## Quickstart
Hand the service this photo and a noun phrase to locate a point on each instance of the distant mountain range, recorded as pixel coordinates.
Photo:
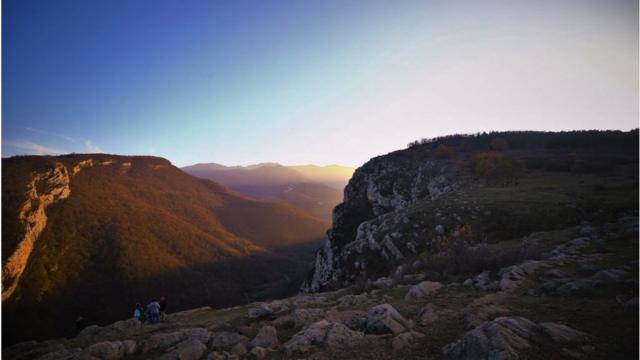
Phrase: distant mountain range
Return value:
(315, 189)
(91, 235)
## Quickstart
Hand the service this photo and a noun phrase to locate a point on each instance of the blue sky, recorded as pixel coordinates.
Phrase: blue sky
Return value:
(323, 82)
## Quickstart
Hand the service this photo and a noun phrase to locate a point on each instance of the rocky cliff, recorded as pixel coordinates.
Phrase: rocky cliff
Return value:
(403, 205)
(44, 189)
(367, 225)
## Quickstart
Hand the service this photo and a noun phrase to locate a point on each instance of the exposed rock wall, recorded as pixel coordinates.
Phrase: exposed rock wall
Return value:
(374, 206)
(43, 190)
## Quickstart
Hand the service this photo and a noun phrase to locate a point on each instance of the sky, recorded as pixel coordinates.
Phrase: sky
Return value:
(299, 82)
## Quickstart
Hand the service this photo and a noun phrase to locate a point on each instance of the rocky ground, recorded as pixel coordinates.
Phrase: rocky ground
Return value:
(578, 299)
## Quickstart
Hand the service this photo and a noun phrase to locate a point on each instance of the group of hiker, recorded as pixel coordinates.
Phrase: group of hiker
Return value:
(153, 313)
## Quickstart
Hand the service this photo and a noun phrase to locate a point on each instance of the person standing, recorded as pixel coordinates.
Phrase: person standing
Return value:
(163, 308)
(153, 312)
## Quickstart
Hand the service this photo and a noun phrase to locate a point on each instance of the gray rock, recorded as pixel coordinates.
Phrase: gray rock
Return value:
(383, 283)
(560, 333)
(164, 340)
(124, 325)
(267, 337)
(502, 338)
(111, 350)
(225, 339)
(439, 229)
(323, 333)
(302, 317)
(428, 315)
(201, 334)
(191, 349)
(422, 289)
(384, 318)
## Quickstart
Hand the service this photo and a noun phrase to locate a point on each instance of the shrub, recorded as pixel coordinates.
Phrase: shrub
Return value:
(498, 144)
(444, 151)
(494, 167)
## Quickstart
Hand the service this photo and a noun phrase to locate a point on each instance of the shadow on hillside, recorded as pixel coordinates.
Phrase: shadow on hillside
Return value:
(275, 274)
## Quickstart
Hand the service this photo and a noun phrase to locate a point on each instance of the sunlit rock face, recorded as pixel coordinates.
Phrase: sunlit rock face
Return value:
(44, 189)
(367, 226)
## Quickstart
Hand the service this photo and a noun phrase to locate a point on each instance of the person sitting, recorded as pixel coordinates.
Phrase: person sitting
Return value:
(153, 312)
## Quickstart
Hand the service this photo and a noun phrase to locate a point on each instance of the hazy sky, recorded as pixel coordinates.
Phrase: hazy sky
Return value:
(322, 82)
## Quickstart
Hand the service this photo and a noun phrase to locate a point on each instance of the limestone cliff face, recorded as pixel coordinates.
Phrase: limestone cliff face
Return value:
(368, 223)
(44, 189)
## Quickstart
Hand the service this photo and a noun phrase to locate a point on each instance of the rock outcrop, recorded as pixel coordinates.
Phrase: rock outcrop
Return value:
(44, 189)
(365, 224)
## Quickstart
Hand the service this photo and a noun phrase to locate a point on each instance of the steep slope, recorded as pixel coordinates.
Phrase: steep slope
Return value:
(314, 189)
(90, 235)
(443, 195)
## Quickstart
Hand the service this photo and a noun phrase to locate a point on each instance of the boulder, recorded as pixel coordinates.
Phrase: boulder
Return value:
(267, 337)
(302, 317)
(225, 339)
(383, 283)
(428, 315)
(502, 338)
(560, 333)
(111, 350)
(384, 319)
(422, 289)
(406, 340)
(201, 334)
(263, 310)
(481, 281)
(323, 333)
(191, 349)
(164, 340)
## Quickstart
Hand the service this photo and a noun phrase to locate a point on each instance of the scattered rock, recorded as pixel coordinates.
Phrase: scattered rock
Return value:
(481, 281)
(383, 283)
(428, 315)
(191, 349)
(439, 229)
(302, 317)
(201, 334)
(111, 350)
(323, 332)
(163, 340)
(560, 333)
(267, 337)
(225, 339)
(422, 289)
(384, 318)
